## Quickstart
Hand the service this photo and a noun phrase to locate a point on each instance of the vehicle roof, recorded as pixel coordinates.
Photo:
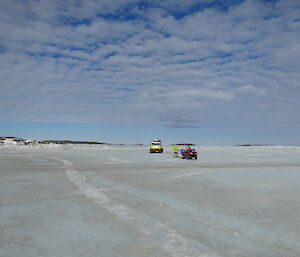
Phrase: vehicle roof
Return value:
(156, 142)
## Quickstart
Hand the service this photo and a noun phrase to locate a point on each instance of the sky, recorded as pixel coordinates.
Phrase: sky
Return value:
(128, 71)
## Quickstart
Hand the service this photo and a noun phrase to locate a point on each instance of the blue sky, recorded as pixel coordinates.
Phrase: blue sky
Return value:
(209, 72)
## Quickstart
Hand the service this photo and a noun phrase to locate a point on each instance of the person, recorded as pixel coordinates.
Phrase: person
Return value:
(175, 151)
(188, 147)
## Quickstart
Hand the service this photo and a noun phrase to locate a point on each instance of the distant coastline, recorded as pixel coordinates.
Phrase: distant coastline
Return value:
(64, 142)
(253, 145)
(22, 141)
(19, 140)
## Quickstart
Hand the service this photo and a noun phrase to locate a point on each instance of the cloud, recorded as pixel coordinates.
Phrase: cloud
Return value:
(175, 63)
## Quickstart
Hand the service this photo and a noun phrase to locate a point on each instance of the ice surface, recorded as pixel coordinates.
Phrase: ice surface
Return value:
(116, 201)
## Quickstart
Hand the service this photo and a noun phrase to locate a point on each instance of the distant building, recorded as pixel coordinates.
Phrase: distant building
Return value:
(31, 142)
(13, 140)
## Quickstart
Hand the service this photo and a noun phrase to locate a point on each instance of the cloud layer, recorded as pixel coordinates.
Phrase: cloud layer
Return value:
(176, 63)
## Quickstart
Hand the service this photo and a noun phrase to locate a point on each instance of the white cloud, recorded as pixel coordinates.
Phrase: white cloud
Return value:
(220, 65)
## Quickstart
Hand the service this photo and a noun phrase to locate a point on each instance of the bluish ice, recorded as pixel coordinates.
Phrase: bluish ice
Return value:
(122, 201)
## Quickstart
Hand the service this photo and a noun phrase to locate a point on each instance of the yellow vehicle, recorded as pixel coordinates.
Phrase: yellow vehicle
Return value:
(156, 147)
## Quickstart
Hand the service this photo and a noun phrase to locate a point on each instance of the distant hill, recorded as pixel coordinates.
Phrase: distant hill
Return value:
(253, 145)
(12, 138)
(64, 142)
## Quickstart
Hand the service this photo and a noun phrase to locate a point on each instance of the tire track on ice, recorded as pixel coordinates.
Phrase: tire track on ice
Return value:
(161, 235)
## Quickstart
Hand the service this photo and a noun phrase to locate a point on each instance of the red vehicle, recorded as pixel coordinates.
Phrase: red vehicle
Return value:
(189, 154)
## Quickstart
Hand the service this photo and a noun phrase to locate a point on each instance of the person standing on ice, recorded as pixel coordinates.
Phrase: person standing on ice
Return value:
(175, 151)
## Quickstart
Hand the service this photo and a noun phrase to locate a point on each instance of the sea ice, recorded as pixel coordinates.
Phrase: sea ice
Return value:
(115, 201)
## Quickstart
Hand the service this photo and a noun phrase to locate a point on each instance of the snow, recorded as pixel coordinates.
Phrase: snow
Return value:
(64, 200)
